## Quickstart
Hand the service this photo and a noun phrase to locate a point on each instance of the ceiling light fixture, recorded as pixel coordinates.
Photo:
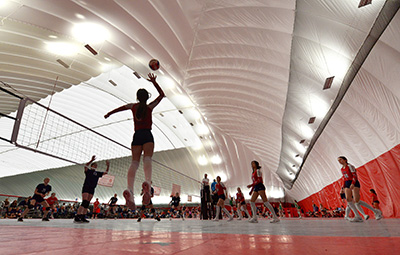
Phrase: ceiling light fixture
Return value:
(311, 120)
(112, 82)
(328, 83)
(89, 48)
(302, 141)
(62, 63)
(137, 75)
(364, 3)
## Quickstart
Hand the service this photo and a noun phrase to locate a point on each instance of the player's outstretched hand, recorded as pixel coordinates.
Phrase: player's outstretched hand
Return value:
(107, 163)
(93, 157)
(152, 77)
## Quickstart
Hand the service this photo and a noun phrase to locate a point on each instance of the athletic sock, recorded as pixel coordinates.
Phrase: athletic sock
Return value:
(227, 212)
(271, 209)
(354, 209)
(360, 209)
(131, 175)
(347, 211)
(366, 205)
(217, 213)
(253, 210)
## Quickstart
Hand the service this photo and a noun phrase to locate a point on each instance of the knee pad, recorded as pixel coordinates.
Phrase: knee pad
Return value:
(85, 203)
(143, 207)
(242, 209)
(153, 210)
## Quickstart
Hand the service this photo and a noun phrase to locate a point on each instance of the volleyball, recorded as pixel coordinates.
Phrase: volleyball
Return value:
(154, 64)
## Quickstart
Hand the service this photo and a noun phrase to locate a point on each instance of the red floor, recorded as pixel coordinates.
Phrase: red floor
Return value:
(55, 240)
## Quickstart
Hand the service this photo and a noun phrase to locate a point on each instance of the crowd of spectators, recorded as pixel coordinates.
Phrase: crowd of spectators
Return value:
(67, 210)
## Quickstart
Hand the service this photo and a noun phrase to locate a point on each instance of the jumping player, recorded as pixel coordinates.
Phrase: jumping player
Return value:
(220, 189)
(41, 191)
(142, 140)
(241, 204)
(352, 190)
(149, 206)
(91, 178)
(175, 205)
(258, 189)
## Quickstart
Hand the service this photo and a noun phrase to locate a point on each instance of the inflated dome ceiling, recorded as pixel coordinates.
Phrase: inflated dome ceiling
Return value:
(243, 79)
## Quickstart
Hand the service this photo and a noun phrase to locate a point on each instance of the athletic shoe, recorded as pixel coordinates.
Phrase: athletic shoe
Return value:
(77, 220)
(275, 220)
(170, 218)
(146, 193)
(139, 219)
(20, 219)
(239, 219)
(158, 219)
(253, 220)
(230, 219)
(130, 199)
(45, 219)
(183, 219)
(378, 216)
(215, 219)
(83, 220)
(366, 217)
(347, 218)
(356, 219)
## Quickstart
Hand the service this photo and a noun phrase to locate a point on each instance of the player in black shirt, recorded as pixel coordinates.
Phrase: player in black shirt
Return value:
(41, 191)
(175, 205)
(149, 206)
(91, 178)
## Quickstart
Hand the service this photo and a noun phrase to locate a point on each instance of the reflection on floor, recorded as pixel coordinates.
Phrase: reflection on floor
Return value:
(290, 236)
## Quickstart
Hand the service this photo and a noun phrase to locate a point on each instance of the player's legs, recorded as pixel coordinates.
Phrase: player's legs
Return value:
(253, 199)
(148, 150)
(46, 207)
(239, 211)
(269, 206)
(349, 197)
(129, 192)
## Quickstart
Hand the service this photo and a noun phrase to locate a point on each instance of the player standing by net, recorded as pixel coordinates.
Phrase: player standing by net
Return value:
(258, 189)
(143, 140)
(91, 178)
(149, 206)
(175, 205)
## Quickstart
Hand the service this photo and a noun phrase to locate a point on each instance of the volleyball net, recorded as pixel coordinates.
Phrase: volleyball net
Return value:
(41, 129)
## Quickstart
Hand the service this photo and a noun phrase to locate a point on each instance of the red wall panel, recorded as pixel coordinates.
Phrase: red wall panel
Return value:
(381, 174)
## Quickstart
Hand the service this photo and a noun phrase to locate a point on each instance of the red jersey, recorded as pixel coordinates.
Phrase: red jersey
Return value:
(374, 197)
(239, 197)
(51, 200)
(349, 173)
(96, 204)
(220, 187)
(146, 121)
(256, 177)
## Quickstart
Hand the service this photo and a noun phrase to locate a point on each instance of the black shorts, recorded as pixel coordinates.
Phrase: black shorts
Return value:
(38, 198)
(243, 203)
(348, 183)
(376, 201)
(221, 197)
(175, 205)
(259, 187)
(142, 136)
(89, 190)
(342, 196)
